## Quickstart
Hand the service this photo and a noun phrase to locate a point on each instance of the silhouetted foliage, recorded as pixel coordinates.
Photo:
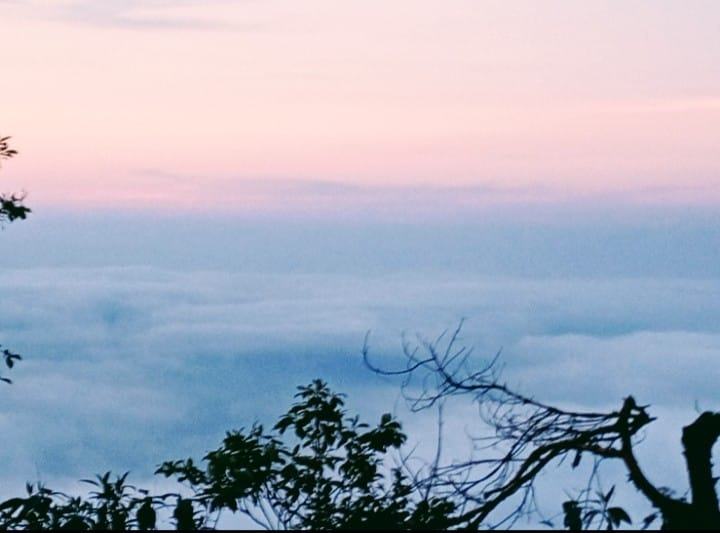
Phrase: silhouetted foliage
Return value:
(113, 505)
(11, 209)
(11, 205)
(526, 436)
(317, 468)
(9, 358)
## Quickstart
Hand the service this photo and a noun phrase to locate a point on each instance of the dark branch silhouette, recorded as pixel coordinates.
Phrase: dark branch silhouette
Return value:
(527, 436)
(11, 209)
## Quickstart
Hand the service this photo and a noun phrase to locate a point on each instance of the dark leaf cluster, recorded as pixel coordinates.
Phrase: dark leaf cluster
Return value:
(317, 468)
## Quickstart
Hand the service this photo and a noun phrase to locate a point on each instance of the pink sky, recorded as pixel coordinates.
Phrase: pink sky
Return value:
(257, 104)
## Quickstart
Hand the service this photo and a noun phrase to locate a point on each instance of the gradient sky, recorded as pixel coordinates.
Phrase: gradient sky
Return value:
(257, 105)
(293, 131)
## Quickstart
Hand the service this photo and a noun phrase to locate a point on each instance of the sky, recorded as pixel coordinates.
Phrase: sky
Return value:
(250, 105)
(228, 195)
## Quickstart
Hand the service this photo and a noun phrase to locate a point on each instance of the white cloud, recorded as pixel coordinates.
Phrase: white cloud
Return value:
(219, 320)
(172, 359)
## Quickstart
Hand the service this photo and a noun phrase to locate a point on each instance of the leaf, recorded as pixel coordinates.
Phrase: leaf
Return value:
(606, 497)
(649, 519)
(12, 503)
(618, 515)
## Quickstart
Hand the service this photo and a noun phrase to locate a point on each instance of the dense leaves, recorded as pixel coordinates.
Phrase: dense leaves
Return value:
(12, 208)
(113, 505)
(317, 468)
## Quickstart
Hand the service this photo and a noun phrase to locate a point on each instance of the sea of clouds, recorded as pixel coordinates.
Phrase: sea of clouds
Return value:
(146, 340)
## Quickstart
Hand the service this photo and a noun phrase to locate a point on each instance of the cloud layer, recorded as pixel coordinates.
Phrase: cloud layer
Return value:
(155, 357)
(127, 365)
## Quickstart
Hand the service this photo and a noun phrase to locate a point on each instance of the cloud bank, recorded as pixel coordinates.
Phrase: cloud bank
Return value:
(127, 365)
(134, 356)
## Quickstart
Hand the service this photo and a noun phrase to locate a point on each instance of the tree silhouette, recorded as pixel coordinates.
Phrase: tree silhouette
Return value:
(527, 436)
(317, 468)
(11, 205)
(113, 505)
(11, 209)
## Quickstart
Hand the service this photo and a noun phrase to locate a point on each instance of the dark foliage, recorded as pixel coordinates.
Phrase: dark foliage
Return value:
(112, 505)
(317, 468)
(10, 358)
(11, 205)
(11, 209)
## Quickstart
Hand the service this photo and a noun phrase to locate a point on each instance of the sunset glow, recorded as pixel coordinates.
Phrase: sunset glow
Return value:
(127, 104)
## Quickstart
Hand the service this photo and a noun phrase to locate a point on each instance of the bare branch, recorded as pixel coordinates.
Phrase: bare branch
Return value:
(526, 435)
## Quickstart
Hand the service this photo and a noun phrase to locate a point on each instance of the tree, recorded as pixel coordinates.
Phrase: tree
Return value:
(527, 436)
(11, 205)
(317, 468)
(113, 505)
(11, 209)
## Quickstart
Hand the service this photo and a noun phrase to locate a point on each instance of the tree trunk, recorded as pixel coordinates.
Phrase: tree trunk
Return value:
(702, 511)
